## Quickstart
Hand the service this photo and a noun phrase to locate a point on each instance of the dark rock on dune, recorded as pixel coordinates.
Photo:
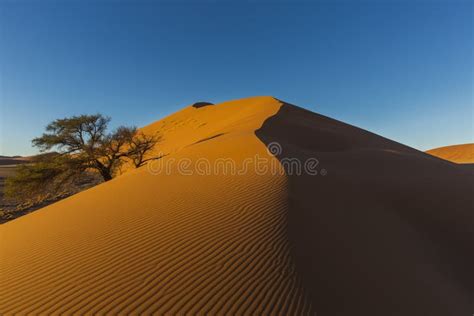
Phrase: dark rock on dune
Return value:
(198, 105)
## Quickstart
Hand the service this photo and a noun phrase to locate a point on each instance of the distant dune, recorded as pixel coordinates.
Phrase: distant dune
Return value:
(15, 160)
(376, 227)
(463, 153)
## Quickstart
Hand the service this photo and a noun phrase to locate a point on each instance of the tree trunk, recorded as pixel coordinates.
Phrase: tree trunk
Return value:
(104, 171)
(105, 174)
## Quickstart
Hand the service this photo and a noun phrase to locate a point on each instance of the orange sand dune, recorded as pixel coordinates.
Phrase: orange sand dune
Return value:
(463, 153)
(381, 229)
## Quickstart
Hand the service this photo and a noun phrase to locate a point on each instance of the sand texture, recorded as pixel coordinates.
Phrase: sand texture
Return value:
(381, 229)
(463, 153)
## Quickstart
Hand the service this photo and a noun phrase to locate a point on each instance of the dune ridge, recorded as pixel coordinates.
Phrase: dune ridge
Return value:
(384, 230)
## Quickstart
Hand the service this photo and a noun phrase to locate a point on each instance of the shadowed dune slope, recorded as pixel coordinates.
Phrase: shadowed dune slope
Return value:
(463, 153)
(387, 230)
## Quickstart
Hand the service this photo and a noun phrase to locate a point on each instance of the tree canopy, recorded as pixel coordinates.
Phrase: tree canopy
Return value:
(76, 145)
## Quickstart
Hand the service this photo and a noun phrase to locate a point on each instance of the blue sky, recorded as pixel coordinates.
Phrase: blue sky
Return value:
(401, 69)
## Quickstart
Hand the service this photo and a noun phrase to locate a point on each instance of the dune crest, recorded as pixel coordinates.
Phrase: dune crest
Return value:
(463, 153)
(379, 228)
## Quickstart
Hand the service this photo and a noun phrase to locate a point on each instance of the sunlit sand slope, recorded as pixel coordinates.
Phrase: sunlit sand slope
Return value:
(463, 153)
(164, 244)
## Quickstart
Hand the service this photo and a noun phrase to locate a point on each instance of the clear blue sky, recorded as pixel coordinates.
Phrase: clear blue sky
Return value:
(402, 69)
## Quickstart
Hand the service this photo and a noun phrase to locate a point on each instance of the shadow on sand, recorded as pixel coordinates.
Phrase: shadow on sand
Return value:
(388, 229)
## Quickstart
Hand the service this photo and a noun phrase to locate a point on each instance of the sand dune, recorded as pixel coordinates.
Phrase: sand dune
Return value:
(387, 230)
(463, 153)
